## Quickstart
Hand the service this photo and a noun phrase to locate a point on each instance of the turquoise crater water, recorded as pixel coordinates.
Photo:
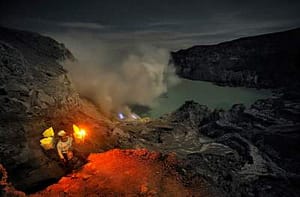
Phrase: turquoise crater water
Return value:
(205, 93)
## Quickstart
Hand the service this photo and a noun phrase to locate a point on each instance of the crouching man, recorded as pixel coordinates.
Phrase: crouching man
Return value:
(64, 146)
(71, 158)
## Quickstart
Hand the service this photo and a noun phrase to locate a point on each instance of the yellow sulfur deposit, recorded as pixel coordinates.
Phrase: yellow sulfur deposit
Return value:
(48, 132)
(47, 143)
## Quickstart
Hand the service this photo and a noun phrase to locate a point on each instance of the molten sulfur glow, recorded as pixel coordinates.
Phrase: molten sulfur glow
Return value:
(79, 133)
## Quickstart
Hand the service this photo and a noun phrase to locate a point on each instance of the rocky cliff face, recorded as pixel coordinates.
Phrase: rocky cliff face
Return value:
(36, 93)
(264, 61)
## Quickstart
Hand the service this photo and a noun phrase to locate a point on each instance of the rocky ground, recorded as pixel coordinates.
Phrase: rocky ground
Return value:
(194, 151)
(127, 173)
(242, 152)
(203, 152)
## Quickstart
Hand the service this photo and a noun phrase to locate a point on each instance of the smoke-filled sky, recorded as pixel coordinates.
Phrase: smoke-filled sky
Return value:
(123, 46)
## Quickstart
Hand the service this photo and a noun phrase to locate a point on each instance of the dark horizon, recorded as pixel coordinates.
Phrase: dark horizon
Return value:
(169, 24)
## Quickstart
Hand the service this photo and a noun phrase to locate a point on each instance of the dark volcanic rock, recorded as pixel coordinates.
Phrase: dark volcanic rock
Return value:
(242, 152)
(36, 93)
(269, 60)
(6, 189)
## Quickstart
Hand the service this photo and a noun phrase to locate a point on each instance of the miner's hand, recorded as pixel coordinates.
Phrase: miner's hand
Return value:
(63, 160)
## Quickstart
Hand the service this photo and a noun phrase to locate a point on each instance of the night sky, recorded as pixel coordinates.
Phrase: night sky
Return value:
(173, 24)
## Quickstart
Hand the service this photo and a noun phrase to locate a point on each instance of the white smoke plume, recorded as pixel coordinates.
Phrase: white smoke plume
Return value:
(114, 75)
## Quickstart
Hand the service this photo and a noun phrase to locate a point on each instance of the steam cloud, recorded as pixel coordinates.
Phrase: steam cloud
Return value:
(114, 75)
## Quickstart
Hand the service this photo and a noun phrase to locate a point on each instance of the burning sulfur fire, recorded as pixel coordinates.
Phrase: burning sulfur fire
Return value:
(128, 116)
(121, 116)
(79, 133)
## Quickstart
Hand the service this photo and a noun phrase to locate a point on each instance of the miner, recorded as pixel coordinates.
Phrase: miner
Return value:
(64, 146)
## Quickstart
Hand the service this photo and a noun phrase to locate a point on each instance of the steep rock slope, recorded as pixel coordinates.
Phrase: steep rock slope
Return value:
(36, 93)
(263, 61)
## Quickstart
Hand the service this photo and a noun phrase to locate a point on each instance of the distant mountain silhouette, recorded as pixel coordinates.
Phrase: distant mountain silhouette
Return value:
(269, 60)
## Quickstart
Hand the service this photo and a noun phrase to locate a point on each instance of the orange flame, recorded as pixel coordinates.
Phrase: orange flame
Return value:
(79, 133)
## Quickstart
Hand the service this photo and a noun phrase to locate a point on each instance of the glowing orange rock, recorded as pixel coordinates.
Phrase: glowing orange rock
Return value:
(125, 173)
